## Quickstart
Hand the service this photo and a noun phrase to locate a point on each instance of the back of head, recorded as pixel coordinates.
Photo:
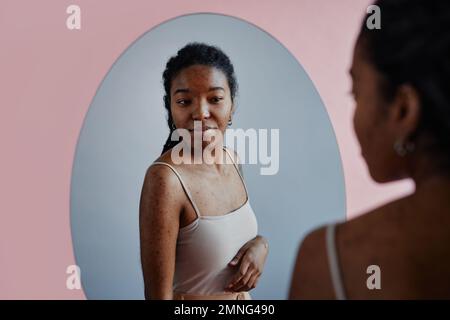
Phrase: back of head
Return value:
(413, 47)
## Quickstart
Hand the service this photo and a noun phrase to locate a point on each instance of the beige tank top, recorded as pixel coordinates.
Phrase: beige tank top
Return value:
(206, 246)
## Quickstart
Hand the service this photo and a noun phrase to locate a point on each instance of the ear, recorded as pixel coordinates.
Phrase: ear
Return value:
(405, 111)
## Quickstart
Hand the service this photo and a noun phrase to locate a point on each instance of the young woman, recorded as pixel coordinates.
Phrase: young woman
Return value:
(198, 231)
(401, 86)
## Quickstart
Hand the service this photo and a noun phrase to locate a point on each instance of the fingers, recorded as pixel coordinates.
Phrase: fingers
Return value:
(242, 285)
(239, 275)
(246, 279)
(237, 257)
(236, 278)
(250, 284)
(250, 270)
(253, 281)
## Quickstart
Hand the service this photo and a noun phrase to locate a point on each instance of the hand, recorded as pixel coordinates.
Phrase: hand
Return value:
(250, 261)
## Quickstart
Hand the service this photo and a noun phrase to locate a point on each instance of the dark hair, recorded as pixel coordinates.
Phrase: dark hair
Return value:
(189, 55)
(413, 47)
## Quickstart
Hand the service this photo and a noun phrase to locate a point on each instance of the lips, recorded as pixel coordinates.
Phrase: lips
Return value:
(202, 129)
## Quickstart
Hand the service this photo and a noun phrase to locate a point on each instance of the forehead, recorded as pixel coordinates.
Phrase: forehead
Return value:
(199, 77)
(361, 67)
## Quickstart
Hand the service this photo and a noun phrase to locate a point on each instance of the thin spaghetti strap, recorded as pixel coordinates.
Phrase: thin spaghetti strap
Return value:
(185, 188)
(237, 169)
(333, 262)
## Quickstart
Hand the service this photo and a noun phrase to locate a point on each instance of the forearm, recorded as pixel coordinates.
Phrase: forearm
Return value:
(157, 294)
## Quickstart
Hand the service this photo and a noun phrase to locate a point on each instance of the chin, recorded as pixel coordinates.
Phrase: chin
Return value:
(209, 144)
(380, 178)
(384, 177)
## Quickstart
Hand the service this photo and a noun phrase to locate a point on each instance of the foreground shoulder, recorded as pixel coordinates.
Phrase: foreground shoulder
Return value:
(361, 227)
(311, 279)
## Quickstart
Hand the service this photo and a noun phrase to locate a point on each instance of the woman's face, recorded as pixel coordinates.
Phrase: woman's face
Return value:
(201, 93)
(373, 124)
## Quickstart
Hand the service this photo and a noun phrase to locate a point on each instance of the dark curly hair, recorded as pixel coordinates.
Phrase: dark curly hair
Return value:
(194, 54)
(413, 47)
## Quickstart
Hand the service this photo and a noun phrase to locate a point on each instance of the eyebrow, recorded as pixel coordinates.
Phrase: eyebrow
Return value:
(185, 90)
(216, 88)
(180, 90)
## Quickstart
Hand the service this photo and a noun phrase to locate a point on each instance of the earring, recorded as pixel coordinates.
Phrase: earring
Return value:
(403, 148)
(173, 127)
(230, 122)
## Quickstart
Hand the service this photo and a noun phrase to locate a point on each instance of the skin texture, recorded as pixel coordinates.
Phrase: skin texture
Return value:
(198, 93)
(407, 238)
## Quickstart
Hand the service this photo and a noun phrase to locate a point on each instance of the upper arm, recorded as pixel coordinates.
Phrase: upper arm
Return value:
(159, 216)
(311, 279)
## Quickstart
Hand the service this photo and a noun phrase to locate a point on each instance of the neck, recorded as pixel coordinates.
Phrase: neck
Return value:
(429, 174)
(206, 158)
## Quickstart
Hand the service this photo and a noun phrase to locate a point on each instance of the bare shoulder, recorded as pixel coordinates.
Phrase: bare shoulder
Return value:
(311, 279)
(160, 177)
(375, 237)
(166, 157)
(161, 191)
(364, 240)
(367, 225)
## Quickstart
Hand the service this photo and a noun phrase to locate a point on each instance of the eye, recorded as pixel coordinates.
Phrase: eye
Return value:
(216, 99)
(183, 102)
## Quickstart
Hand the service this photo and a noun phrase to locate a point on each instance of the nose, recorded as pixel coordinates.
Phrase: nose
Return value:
(201, 111)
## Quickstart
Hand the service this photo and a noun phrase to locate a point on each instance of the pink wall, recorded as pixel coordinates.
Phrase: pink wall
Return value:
(50, 74)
